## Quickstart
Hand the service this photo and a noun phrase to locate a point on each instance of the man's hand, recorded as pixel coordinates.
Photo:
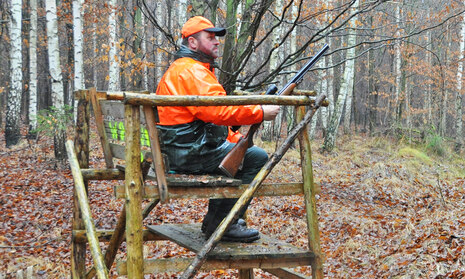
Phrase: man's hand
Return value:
(270, 112)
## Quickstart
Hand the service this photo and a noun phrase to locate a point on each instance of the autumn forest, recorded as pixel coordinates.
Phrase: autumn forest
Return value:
(387, 149)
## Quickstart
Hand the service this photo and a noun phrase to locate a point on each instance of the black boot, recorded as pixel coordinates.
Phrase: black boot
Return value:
(241, 222)
(218, 209)
(238, 233)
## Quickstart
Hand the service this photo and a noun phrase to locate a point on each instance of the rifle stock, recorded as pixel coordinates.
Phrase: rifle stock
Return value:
(235, 157)
(231, 164)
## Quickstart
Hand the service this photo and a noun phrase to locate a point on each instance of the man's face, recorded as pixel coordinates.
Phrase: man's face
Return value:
(207, 43)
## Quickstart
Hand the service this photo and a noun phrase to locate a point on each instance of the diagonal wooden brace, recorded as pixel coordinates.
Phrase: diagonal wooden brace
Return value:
(201, 256)
(95, 250)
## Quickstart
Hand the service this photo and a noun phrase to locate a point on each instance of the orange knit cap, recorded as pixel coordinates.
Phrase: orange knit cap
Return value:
(199, 23)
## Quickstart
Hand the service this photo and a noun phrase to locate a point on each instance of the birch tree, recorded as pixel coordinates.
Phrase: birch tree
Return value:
(145, 72)
(182, 15)
(458, 96)
(159, 38)
(13, 114)
(55, 74)
(345, 90)
(349, 71)
(398, 66)
(137, 78)
(113, 69)
(429, 93)
(33, 67)
(77, 40)
(325, 86)
(270, 128)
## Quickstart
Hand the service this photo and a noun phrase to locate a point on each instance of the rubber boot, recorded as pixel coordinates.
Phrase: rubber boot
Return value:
(218, 209)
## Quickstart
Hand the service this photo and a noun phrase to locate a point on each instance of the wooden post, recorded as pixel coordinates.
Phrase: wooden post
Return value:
(246, 273)
(310, 201)
(133, 188)
(101, 128)
(81, 147)
(158, 164)
(81, 194)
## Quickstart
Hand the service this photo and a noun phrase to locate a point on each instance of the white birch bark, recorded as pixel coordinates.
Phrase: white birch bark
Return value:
(55, 72)
(349, 71)
(330, 138)
(330, 97)
(398, 63)
(458, 96)
(346, 83)
(94, 55)
(33, 67)
(322, 89)
(54, 54)
(445, 91)
(267, 132)
(159, 57)
(408, 116)
(113, 68)
(429, 102)
(326, 112)
(289, 110)
(182, 15)
(145, 73)
(78, 58)
(239, 18)
(13, 110)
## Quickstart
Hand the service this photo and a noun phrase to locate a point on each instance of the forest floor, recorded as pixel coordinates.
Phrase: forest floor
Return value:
(387, 210)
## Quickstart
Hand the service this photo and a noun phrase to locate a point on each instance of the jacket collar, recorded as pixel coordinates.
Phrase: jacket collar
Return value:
(184, 51)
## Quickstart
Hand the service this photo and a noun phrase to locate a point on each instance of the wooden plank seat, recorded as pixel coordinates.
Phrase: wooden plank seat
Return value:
(110, 125)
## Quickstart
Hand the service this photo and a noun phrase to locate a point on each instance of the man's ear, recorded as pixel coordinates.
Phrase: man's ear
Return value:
(193, 43)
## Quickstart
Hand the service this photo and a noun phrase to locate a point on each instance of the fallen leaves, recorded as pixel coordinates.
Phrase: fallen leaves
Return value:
(380, 215)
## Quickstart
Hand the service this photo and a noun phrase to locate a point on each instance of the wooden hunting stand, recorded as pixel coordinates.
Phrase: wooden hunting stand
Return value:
(119, 117)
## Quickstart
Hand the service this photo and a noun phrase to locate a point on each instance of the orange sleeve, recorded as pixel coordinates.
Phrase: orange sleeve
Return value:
(188, 77)
(203, 82)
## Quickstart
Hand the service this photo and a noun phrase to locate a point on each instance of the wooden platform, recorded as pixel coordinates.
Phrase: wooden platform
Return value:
(266, 253)
(190, 236)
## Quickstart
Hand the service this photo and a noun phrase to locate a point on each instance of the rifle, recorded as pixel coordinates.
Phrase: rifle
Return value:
(235, 157)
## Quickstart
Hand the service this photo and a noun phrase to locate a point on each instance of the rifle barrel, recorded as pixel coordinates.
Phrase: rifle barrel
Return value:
(300, 74)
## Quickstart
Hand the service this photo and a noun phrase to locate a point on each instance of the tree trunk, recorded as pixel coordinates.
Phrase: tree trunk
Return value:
(159, 55)
(398, 63)
(345, 89)
(331, 133)
(429, 93)
(113, 70)
(33, 67)
(372, 95)
(136, 77)
(444, 89)
(13, 110)
(349, 71)
(78, 57)
(458, 96)
(56, 75)
(143, 46)
(326, 112)
(230, 45)
(270, 128)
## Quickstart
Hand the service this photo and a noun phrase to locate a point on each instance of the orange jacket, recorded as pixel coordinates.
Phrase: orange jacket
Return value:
(187, 76)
